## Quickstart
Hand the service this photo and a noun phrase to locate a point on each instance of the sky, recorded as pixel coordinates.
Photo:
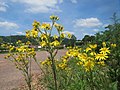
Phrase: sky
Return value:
(79, 17)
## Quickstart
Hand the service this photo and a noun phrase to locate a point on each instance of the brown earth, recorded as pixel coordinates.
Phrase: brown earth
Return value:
(11, 78)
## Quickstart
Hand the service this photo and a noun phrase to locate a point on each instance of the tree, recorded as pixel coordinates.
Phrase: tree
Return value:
(112, 35)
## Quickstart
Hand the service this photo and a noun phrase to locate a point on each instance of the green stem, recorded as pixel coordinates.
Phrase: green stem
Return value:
(91, 80)
(53, 69)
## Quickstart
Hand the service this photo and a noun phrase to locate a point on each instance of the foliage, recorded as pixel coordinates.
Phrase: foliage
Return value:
(80, 69)
(112, 37)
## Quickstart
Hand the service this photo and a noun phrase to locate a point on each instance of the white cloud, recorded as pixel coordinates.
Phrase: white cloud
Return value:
(87, 23)
(74, 1)
(8, 25)
(3, 7)
(40, 6)
(96, 30)
(85, 33)
(69, 32)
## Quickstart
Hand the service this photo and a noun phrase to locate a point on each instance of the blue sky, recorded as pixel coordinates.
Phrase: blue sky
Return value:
(80, 17)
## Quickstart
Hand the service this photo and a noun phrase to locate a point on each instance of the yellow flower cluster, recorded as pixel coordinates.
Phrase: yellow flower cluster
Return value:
(63, 64)
(54, 18)
(88, 57)
(46, 62)
(59, 27)
(46, 26)
(113, 45)
(21, 55)
(43, 33)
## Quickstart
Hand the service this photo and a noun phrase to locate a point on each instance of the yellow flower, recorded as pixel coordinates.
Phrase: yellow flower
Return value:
(54, 18)
(74, 53)
(80, 63)
(46, 26)
(28, 43)
(34, 33)
(92, 53)
(19, 41)
(12, 48)
(69, 35)
(62, 35)
(43, 43)
(104, 50)
(101, 63)
(59, 27)
(55, 37)
(64, 60)
(93, 46)
(68, 53)
(27, 34)
(55, 43)
(113, 45)
(89, 65)
(6, 57)
(104, 44)
(46, 62)
(43, 36)
(101, 56)
(83, 57)
(88, 49)
(62, 65)
(35, 24)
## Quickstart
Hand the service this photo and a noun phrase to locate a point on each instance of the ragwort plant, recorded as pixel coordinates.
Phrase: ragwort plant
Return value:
(80, 69)
(42, 33)
(83, 69)
(21, 56)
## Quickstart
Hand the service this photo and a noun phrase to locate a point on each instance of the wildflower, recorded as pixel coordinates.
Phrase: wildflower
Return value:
(104, 44)
(21, 49)
(19, 41)
(43, 36)
(74, 53)
(92, 53)
(69, 35)
(55, 43)
(88, 49)
(34, 32)
(43, 43)
(54, 18)
(46, 26)
(113, 45)
(27, 34)
(7, 56)
(93, 46)
(101, 56)
(28, 43)
(89, 65)
(35, 24)
(12, 48)
(104, 50)
(80, 63)
(83, 57)
(55, 37)
(101, 63)
(59, 27)
(46, 62)
(62, 65)
(68, 53)
(62, 35)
